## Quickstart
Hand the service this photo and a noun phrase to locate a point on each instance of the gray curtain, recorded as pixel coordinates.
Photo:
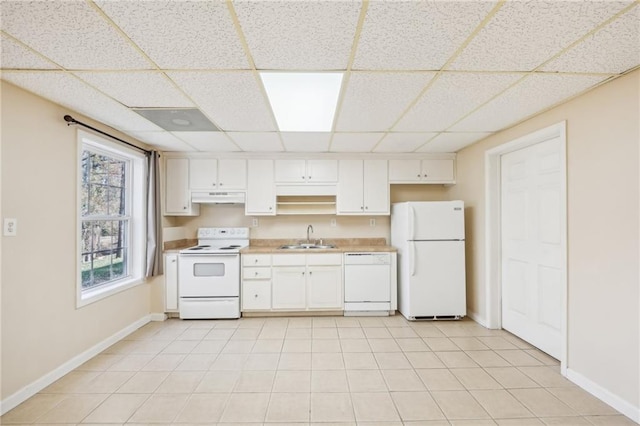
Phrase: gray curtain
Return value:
(154, 217)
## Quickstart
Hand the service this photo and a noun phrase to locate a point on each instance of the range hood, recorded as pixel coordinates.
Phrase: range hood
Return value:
(217, 197)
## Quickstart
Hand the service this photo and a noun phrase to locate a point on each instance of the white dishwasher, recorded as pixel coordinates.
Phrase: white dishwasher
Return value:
(367, 283)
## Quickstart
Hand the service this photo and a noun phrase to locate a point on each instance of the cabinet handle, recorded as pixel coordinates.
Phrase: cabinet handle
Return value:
(366, 208)
(221, 184)
(255, 261)
(256, 273)
(303, 273)
(270, 208)
(255, 295)
(309, 177)
(310, 272)
(184, 208)
(418, 175)
(361, 207)
(303, 177)
(173, 261)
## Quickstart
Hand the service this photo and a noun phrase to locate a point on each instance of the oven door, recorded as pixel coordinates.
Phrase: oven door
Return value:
(209, 275)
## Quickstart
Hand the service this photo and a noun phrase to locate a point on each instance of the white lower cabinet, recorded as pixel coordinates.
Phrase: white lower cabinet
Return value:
(292, 282)
(171, 282)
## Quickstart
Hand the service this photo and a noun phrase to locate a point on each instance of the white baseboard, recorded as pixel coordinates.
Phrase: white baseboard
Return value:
(477, 318)
(158, 316)
(33, 388)
(605, 395)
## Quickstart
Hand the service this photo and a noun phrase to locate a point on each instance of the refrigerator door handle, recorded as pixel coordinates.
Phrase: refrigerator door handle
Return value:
(412, 258)
(412, 219)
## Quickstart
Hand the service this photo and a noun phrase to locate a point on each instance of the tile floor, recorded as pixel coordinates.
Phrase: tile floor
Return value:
(386, 371)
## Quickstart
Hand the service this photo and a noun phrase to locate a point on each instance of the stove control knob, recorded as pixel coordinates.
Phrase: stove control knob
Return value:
(232, 231)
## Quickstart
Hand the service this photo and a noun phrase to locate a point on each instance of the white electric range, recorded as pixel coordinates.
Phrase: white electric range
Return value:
(209, 274)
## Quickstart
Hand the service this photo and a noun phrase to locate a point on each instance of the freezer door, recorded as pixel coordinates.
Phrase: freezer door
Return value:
(440, 220)
(437, 279)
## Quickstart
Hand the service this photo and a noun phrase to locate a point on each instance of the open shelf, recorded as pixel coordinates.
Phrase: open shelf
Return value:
(316, 204)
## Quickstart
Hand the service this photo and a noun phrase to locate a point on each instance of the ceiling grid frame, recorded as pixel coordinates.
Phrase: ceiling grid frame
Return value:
(534, 71)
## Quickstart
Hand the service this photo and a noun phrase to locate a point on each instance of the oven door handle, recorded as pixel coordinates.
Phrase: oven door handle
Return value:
(209, 255)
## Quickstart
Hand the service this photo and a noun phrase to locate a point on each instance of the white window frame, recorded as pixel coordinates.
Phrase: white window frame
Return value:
(136, 197)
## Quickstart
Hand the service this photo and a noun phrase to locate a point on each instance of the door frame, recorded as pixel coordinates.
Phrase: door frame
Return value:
(493, 222)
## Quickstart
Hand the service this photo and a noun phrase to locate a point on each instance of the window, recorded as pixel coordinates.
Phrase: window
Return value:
(111, 228)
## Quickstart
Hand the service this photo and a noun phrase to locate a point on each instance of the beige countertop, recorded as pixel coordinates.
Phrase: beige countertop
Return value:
(343, 245)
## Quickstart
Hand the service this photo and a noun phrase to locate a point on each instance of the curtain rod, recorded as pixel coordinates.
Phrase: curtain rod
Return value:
(70, 120)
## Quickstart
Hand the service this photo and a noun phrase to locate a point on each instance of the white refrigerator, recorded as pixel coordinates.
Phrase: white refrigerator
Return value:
(429, 237)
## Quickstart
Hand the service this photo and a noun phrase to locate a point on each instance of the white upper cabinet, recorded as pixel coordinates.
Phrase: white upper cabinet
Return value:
(261, 194)
(421, 171)
(177, 196)
(211, 173)
(306, 171)
(363, 187)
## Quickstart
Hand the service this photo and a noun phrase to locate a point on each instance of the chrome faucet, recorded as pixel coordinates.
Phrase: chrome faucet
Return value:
(309, 228)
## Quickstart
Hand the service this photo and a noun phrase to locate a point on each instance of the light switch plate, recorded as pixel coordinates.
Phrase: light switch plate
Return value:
(333, 223)
(254, 222)
(372, 223)
(10, 227)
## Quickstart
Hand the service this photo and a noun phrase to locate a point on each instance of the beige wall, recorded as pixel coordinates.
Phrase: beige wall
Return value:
(603, 227)
(41, 327)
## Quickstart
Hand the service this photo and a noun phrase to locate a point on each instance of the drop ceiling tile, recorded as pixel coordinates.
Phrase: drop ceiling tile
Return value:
(70, 33)
(181, 34)
(533, 94)
(306, 141)
(374, 101)
(416, 35)
(138, 89)
(451, 97)
(452, 142)
(164, 141)
(524, 34)
(613, 49)
(56, 86)
(299, 35)
(257, 141)
(403, 142)
(14, 55)
(354, 142)
(208, 141)
(232, 100)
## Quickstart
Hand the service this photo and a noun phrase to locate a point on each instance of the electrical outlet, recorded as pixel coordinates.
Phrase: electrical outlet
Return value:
(333, 223)
(254, 222)
(372, 223)
(10, 227)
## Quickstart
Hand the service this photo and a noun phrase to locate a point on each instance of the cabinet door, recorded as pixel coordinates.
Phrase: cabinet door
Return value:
(350, 187)
(171, 283)
(261, 194)
(322, 171)
(324, 287)
(203, 173)
(256, 295)
(404, 171)
(376, 187)
(290, 171)
(232, 174)
(437, 171)
(177, 198)
(288, 288)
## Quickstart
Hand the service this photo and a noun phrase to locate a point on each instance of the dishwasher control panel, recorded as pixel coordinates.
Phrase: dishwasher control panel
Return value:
(367, 258)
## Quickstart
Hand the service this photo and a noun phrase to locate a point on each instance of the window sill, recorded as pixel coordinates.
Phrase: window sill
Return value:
(90, 296)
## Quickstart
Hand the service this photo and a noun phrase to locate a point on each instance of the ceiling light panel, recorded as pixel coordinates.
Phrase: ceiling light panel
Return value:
(163, 141)
(416, 35)
(306, 141)
(355, 142)
(299, 35)
(181, 34)
(452, 142)
(233, 100)
(374, 101)
(403, 142)
(524, 34)
(15, 56)
(138, 89)
(208, 141)
(257, 141)
(71, 34)
(451, 97)
(533, 94)
(613, 49)
(56, 86)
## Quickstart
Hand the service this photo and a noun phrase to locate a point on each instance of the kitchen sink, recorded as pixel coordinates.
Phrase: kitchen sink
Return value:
(306, 246)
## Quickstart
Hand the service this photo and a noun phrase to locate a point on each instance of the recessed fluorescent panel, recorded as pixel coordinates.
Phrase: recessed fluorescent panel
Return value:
(303, 102)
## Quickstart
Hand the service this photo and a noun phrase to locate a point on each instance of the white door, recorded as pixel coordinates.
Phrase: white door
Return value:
(290, 171)
(322, 171)
(376, 187)
(203, 173)
(177, 186)
(208, 275)
(324, 287)
(437, 284)
(404, 171)
(532, 209)
(437, 170)
(261, 193)
(436, 220)
(288, 288)
(350, 187)
(232, 174)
